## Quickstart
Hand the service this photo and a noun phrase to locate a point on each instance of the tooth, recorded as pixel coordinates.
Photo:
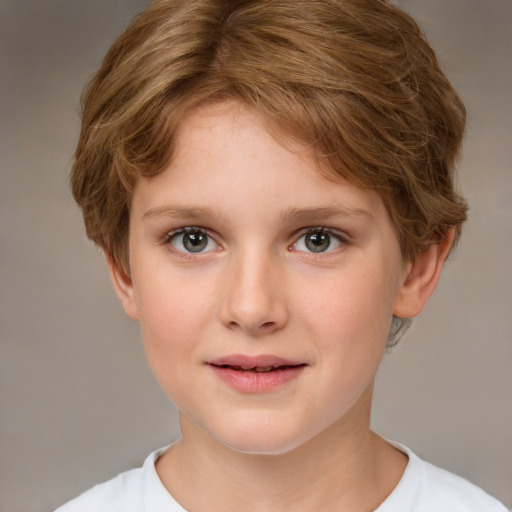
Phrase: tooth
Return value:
(263, 369)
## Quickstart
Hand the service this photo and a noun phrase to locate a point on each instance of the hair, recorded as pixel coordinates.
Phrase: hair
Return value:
(355, 80)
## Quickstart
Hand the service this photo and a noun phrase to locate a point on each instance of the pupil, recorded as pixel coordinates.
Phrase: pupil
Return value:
(317, 242)
(195, 242)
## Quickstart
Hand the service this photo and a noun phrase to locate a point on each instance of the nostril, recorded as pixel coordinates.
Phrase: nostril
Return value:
(254, 313)
(264, 327)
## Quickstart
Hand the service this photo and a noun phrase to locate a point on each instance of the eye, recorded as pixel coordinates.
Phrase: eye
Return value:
(192, 240)
(318, 240)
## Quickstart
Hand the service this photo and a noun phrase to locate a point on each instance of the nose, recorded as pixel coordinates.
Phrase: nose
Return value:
(253, 295)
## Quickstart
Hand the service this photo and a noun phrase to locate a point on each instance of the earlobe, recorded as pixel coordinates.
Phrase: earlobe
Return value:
(123, 287)
(421, 278)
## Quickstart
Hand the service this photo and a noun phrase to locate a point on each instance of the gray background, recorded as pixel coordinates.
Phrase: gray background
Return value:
(78, 402)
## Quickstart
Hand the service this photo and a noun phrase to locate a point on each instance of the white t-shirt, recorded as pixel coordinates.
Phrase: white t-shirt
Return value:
(422, 488)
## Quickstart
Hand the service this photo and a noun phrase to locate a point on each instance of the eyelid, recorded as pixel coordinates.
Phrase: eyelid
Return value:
(171, 235)
(342, 237)
(338, 235)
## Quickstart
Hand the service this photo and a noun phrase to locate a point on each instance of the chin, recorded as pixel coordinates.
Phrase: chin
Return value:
(261, 447)
(261, 439)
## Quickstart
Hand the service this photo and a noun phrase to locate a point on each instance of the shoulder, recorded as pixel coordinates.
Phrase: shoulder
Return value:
(444, 487)
(427, 488)
(137, 490)
(123, 493)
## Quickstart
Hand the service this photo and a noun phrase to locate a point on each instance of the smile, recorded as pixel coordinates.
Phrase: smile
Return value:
(260, 374)
(259, 369)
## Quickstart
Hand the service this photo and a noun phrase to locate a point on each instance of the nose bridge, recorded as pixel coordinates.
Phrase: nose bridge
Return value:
(253, 294)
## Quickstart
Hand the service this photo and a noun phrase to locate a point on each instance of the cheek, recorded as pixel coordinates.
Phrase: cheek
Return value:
(355, 306)
(173, 313)
(171, 301)
(352, 332)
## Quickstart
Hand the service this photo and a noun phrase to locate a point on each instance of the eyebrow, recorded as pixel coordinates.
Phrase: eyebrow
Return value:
(314, 214)
(325, 213)
(181, 212)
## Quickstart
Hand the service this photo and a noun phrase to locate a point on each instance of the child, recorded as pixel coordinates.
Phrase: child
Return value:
(272, 184)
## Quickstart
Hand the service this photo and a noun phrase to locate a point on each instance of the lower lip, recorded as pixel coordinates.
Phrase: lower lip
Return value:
(257, 382)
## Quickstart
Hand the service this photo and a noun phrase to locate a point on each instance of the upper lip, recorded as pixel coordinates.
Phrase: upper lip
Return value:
(248, 362)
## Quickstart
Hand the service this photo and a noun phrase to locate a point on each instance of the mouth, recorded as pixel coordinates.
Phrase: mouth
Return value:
(258, 369)
(262, 363)
(258, 374)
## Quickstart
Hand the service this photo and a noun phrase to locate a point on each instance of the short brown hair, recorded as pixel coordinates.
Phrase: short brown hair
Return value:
(355, 80)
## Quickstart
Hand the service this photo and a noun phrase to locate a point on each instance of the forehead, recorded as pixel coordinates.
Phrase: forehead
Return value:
(214, 126)
(226, 157)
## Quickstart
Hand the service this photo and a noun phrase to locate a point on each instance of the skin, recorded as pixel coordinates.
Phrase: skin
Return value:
(257, 288)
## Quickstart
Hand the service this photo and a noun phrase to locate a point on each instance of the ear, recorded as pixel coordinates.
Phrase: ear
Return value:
(123, 287)
(421, 277)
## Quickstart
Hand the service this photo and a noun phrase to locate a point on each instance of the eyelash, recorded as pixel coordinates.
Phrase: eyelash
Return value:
(170, 237)
(173, 235)
(318, 230)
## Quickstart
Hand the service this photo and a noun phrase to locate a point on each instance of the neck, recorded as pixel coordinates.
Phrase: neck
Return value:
(346, 467)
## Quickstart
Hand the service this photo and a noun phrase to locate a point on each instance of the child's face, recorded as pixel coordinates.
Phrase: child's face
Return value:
(242, 254)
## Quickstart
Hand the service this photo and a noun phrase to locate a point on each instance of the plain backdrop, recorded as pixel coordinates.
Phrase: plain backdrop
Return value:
(78, 402)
